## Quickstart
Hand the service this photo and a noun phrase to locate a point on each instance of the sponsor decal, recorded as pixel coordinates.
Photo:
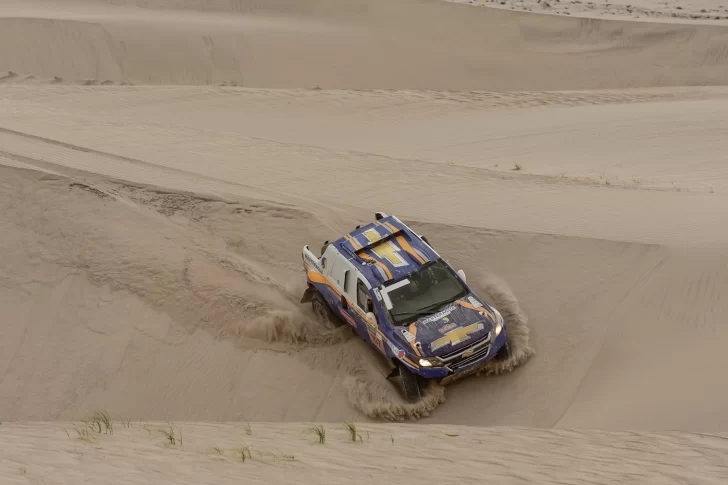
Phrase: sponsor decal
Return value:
(376, 339)
(456, 336)
(474, 302)
(348, 318)
(313, 262)
(408, 335)
(397, 351)
(439, 316)
(447, 328)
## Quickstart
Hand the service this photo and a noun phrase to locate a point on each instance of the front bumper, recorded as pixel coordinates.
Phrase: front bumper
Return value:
(457, 370)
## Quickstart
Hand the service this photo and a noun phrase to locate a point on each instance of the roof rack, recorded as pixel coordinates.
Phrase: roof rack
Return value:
(381, 240)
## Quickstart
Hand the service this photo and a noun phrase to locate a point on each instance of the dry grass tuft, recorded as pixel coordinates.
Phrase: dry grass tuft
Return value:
(244, 452)
(320, 433)
(351, 427)
(100, 421)
(83, 433)
(173, 434)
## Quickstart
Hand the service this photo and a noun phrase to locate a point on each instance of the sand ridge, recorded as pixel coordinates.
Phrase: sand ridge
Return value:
(281, 453)
(233, 129)
(358, 44)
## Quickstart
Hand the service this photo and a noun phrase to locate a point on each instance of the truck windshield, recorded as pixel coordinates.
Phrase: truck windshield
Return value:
(430, 287)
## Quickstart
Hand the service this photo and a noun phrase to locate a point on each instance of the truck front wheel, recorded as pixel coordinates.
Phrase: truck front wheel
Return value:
(410, 384)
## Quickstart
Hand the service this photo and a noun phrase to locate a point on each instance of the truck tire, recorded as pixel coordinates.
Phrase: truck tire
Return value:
(504, 353)
(410, 384)
(323, 313)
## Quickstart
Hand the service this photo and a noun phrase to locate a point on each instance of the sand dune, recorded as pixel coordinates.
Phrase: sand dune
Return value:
(234, 141)
(610, 308)
(359, 44)
(151, 234)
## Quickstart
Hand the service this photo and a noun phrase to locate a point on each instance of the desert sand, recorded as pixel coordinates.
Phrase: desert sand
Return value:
(162, 163)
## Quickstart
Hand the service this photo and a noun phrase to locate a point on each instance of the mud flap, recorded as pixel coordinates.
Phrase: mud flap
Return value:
(308, 294)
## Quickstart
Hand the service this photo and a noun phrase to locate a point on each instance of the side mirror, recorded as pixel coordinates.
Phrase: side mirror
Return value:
(371, 319)
(461, 273)
(344, 303)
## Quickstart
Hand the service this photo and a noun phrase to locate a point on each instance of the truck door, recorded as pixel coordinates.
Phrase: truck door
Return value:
(372, 333)
(349, 293)
(341, 275)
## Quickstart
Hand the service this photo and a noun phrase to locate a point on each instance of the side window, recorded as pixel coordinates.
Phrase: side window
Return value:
(361, 295)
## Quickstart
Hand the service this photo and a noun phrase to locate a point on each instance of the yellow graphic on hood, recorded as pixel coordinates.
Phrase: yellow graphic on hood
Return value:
(457, 336)
(387, 251)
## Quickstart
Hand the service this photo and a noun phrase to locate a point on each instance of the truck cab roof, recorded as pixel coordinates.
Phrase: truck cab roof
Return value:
(385, 250)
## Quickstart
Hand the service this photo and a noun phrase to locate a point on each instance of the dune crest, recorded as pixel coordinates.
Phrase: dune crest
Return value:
(351, 44)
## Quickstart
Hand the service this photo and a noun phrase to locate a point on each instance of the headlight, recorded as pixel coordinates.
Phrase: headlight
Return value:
(498, 322)
(430, 363)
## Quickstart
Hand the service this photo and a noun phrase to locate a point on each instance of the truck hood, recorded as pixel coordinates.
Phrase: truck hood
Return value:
(454, 326)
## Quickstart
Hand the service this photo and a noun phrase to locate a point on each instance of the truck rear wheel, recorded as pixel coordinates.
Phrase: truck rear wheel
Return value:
(410, 384)
(323, 313)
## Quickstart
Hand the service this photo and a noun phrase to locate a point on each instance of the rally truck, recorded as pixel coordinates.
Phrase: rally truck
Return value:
(399, 295)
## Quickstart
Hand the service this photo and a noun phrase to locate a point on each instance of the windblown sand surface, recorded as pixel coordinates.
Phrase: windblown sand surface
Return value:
(150, 252)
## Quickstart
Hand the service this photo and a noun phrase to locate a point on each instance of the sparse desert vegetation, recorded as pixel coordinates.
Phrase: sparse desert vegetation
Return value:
(244, 452)
(83, 433)
(320, 432)
(218, 451)
(173, 434)
(281, 449)
(100, 420)
(353, 435)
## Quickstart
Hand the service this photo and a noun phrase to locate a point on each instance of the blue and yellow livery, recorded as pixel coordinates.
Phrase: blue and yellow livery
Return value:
(395, 291)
